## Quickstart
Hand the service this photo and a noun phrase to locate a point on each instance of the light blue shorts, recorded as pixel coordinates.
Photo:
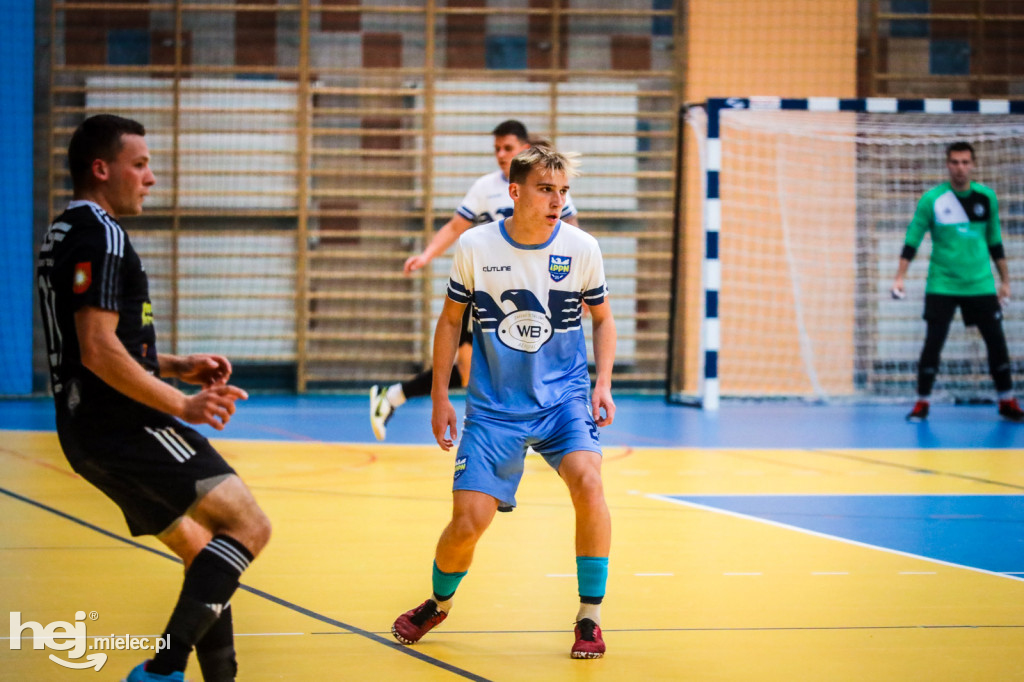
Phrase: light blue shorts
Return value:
(492, 451)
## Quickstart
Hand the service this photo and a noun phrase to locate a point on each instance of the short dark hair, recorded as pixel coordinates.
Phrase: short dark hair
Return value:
(98, 137)
(960, 147)
(511, 127)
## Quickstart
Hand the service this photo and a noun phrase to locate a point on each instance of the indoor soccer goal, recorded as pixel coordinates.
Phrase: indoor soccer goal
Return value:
(806, 204)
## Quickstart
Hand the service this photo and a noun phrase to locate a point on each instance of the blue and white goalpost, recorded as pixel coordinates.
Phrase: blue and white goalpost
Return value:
(814, 195)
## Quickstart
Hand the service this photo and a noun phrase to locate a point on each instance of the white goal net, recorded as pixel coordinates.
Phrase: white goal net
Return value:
(814, 207)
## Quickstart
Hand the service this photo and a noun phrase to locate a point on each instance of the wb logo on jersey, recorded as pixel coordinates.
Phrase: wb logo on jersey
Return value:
(558, 267)
(528, 325)
(525, 330)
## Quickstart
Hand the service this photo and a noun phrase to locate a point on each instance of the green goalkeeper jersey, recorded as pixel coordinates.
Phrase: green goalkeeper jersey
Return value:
(963, 226)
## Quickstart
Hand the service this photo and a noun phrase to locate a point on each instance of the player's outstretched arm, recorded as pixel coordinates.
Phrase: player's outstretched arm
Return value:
(441, 242)
(104, 355)
(605, 338)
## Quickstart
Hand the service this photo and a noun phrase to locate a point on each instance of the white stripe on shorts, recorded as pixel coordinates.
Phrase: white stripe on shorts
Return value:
(170, 444)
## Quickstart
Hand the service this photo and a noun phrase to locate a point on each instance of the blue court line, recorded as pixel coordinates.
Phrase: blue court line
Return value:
(976, 532)
(258, 592)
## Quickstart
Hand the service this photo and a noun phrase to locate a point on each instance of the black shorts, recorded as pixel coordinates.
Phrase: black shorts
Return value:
(467, 326)
(153, 469)
(973, 309)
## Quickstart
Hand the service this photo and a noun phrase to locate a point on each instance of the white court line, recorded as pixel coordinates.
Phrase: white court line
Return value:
(650, 575)
(856, 543)
(918, 573)
(561, 575)
(739, 573)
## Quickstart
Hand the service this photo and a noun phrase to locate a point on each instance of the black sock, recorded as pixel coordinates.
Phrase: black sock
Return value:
(423, 382)
(419, 384)
(209, 583)
(216, 650)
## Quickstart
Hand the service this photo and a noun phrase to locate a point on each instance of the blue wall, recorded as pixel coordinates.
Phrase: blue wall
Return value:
(16, 247)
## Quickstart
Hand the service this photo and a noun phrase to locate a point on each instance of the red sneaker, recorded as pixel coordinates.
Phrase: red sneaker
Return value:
(589, 643)
(412, 625)
(1010, 409)
(919, 413)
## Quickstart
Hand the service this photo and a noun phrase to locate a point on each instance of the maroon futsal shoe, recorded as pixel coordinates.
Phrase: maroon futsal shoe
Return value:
(589, 643)
(1010, 409)
(920, 411)
(412, 625)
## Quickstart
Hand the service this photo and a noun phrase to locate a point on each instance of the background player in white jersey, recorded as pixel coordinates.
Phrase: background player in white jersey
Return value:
(118, 422)
(526, 278)
(487, 200)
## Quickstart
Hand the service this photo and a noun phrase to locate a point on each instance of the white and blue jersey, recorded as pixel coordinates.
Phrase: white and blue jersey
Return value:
(529, 352)
(488, 200)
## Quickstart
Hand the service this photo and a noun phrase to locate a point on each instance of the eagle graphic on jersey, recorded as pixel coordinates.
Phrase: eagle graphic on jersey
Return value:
(527, 325)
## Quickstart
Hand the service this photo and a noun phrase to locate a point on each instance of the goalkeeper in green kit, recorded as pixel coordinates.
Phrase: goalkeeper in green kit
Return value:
(963, 219)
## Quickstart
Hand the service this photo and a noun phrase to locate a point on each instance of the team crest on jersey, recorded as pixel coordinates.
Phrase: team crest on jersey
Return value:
(979, 211)
(558, 267)
(83, 278)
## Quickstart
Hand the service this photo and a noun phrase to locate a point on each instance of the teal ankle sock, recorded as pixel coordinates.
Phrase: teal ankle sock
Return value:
(445, 584)
(592, 576)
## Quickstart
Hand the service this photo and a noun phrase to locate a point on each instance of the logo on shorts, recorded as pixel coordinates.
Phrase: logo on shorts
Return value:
(558, 267)
(460, 467)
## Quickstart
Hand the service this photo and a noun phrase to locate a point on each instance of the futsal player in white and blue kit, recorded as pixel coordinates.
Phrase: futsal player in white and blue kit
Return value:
(486, 201)
(526, 278)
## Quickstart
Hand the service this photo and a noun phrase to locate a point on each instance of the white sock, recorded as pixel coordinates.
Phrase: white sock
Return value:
(395, 395)
(591, 611)
(924, 399)
(1006, 396)
(445, 605)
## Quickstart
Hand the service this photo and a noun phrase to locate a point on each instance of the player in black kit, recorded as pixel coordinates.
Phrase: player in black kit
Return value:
(118, 422)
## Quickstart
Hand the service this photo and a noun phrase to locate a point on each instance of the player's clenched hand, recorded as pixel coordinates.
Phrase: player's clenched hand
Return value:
(443, 421)
(602, 399)
(205, 370)
(213, 405)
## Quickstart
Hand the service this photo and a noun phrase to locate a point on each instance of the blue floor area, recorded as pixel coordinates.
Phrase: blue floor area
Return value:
(979, 531)
(641, 421)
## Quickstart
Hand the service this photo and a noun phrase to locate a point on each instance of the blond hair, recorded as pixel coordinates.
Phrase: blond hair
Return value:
(542, 158)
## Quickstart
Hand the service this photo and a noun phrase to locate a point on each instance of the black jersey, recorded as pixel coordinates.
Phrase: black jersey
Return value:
(87, 260)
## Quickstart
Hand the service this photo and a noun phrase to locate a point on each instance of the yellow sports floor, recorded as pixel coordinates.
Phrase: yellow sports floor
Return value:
(693, 594)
